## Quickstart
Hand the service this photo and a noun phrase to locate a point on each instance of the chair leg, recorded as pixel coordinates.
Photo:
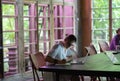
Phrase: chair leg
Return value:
(107, 79)
(112, 78)
(42, 74)
(37, 76)
(75, 78)
(82, 78)
(99, 79)
(93, 78)
(33, 71)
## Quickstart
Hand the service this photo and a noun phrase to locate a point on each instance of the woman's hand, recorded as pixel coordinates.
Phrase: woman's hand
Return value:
(69, 58)
(61, 61)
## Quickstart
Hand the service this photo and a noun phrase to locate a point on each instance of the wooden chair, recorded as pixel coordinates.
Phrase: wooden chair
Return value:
(92, 51)
(37, 60)
(104, 46)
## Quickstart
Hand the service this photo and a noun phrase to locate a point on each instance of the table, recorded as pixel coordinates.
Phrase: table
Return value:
(96, 65)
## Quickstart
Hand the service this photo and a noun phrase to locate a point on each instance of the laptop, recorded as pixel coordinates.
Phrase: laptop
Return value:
(75, 61)
(80, 60)
(112, 57)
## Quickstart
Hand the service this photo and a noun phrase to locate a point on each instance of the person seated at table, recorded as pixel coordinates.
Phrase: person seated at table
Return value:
(62, 53)
(115, 41)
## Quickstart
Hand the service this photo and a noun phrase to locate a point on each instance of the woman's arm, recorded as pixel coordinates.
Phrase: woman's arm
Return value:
(49, 59)
(55, 61)
(52, 54)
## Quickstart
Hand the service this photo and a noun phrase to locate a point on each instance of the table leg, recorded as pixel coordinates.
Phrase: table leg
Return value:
(57, 76)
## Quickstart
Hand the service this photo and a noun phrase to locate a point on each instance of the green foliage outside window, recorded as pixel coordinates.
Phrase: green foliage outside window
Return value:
(100, 19)
(8, 9)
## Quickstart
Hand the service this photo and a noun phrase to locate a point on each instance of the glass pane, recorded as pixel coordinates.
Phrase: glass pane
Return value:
(45, 45)
(47, 23)
(114, 32)
(70, 20)
(44, 35)
(115, 16)
(59, 33)
(43, 16)
(9, 24)
(43, 23)
(9, 38)
(40, 21)
(26, 23)
(68, 11)
(58, 11)
(115, 3)
(8, 9)
(43, 11)
(40, 11)
(69, 31)
(25, 10)
(116, 12)
(26, 36)
(6, 65)
(116, 23)
(100, 34)
(100, 13)
(58, 22)
(101, 3)
(100, 23)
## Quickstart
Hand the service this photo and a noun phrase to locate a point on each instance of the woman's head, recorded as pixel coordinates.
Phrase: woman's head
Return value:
(118, 31)
(69, 40)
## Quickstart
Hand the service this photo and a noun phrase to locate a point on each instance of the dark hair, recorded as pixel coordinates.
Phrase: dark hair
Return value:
(117, 30)
(71, 38)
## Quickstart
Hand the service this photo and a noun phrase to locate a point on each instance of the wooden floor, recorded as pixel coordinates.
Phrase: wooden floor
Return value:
(29, 77)
(19, 77)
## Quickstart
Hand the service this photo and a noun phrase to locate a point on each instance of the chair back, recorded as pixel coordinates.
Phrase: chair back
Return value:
(91, 49)
(37, 59)
(104, 46)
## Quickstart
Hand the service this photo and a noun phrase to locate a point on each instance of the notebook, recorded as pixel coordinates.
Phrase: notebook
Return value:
(112, 57)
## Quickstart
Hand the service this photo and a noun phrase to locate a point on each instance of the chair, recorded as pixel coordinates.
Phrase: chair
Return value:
(104, 46)
(92, 51)
(37, 60)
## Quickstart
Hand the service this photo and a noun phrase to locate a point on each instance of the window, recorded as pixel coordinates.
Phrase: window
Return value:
(115, 15)
(54, 19)
(9, 35)
(105, 19)
(44, 24)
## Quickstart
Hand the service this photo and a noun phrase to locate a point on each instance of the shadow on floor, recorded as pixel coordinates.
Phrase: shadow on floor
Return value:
(29, 77)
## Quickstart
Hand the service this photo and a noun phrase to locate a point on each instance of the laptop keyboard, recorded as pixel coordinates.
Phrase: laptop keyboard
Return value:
(112, 58)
